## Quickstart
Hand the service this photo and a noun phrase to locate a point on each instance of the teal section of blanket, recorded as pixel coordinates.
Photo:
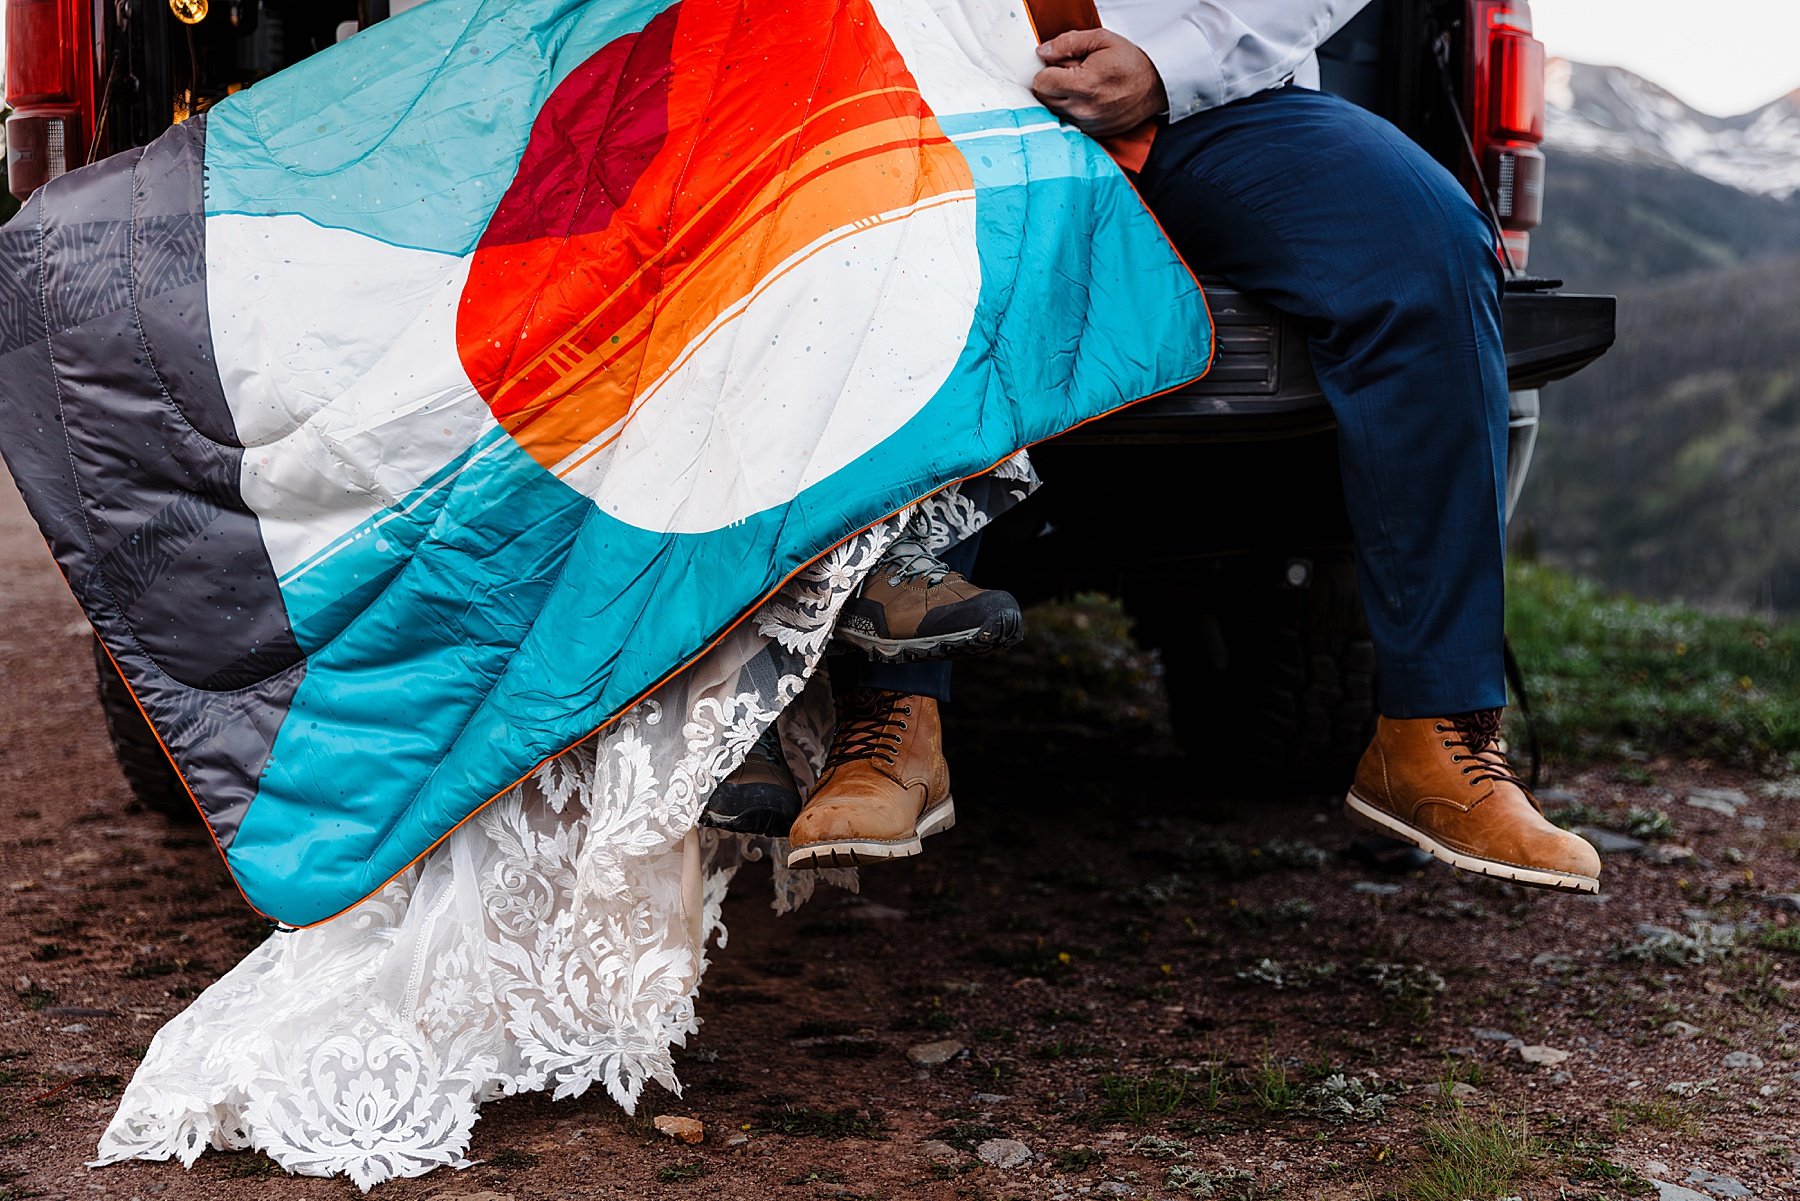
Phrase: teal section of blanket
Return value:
(496, 617)
(411, 131)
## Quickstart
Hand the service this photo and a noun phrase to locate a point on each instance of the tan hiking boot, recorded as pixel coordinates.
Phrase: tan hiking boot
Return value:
(912, 606)
(884, 788)
(1445, 785)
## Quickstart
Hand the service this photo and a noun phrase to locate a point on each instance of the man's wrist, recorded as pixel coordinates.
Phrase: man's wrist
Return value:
(1186, 68)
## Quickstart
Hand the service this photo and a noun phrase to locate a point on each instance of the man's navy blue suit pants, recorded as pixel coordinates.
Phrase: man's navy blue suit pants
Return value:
(1326, 211)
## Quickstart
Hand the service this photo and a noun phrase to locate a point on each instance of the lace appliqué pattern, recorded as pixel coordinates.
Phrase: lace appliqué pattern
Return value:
(554, 942)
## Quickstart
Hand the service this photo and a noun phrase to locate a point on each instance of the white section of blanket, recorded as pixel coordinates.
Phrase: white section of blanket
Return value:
(556, 941)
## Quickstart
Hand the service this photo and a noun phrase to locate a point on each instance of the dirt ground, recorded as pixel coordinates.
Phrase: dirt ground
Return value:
(1149, 991)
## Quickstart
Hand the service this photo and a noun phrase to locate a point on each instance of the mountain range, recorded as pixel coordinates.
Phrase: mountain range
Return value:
(1611, 113)
(1642, 187)
(1671, 468)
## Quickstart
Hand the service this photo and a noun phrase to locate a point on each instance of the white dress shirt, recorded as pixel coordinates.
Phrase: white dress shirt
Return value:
(1211, 52)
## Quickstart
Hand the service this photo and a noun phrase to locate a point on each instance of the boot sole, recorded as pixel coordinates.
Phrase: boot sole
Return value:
(1369, 817)
(999, 632)
(852, 852)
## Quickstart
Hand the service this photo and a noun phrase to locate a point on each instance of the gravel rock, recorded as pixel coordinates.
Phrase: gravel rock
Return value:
(1488, 1034)
(737, 1140)
(940, 1153)
(1542, 1055)
(1674, 1192)
(1752, 821)
(1463, 1091)
(1681, 1030)
(1718, 1186)
(1787, 901)
(989, 1098)
(1609, 842)
(931, 1055)
(1003, 1153)
(1744, 1060)
(683, 1130)
(74, 1028)
(1736, 798)
(1722, 808)
(1375, 888)
(1116, 1188)
(1665, 854)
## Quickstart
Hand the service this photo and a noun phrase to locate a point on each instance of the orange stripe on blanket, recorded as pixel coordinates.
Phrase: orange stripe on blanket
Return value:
(772, 147)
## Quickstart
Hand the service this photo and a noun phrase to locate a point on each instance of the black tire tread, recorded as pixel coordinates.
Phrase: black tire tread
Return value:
(1281, 696)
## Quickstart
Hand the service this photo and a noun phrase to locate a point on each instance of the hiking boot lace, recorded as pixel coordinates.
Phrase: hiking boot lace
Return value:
(869, 727)
(1479, 734)
(908, 559)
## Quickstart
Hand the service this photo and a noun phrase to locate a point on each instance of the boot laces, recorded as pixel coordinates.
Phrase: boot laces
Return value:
(1479, 734)
(869, 727)
(908, 559)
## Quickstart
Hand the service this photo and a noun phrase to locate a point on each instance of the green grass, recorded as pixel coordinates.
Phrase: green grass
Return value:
(799, 1121)
(677, 1173)
(1611, 674)
(1668, 1114)
(1077, 1159)
(1468, 1156)
(1140, 1100)
(1059, 1048)
(966, 1136)
(1267, 1086)
(36, 996)
(1785, 939)
(1616, 1180)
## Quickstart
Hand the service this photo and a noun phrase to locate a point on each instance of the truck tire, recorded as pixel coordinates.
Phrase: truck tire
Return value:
(1271, 683)
(147, 770)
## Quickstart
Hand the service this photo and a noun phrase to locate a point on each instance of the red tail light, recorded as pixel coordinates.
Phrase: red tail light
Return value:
(1505, 99)
(50, 61)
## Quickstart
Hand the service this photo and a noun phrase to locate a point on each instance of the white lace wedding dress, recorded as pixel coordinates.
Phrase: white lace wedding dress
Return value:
(554, 942)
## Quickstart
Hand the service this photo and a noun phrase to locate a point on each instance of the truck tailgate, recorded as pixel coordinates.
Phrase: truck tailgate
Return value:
(1261, 383)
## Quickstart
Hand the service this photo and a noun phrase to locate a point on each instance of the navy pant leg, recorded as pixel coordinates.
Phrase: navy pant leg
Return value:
(1330, 213)
(930, 678)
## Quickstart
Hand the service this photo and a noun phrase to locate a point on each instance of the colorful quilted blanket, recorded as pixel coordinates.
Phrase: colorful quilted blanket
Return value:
(404, 418)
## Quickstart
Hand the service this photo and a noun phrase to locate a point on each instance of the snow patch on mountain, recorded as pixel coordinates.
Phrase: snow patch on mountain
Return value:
(1612, 113)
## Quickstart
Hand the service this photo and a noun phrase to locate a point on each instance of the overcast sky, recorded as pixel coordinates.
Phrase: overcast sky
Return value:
(1723, 56)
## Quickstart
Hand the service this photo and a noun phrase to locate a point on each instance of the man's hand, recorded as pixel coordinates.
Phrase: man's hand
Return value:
(1099, 82)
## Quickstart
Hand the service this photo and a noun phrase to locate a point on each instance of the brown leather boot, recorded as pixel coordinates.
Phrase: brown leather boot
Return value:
(911, 606)
(885, 785)
(1444, 784)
